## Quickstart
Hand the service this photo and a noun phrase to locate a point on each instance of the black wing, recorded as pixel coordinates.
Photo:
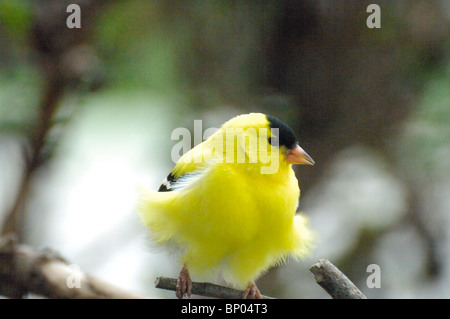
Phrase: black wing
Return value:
(166, 186)
(172, 183)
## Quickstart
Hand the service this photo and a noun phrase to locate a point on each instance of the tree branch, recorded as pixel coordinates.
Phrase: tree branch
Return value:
(23, 271)
(13, 222)
(335, 283)
(328, 276)
(204, 289)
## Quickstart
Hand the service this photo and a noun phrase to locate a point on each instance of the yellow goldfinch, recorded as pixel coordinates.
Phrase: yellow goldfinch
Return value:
(230, 204)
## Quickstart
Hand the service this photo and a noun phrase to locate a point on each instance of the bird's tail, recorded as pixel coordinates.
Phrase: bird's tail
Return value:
(306, 238)
(154, 208)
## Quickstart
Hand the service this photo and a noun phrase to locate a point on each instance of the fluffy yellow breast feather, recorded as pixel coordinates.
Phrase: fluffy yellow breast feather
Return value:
(230, 203)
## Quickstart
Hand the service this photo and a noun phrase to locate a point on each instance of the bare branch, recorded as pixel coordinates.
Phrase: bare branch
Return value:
(23, 271)
(335, 283)
(328, 276)
(204, 289)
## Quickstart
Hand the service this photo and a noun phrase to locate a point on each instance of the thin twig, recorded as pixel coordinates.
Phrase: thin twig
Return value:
(24, 271)
(205, 289)
(335, 283)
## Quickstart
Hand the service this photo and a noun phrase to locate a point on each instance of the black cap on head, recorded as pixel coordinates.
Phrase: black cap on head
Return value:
(286, 135)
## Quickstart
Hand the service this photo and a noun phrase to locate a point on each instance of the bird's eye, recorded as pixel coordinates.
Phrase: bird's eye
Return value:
(274, 141)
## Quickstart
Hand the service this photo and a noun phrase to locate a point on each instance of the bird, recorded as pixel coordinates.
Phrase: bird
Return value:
(229, 205)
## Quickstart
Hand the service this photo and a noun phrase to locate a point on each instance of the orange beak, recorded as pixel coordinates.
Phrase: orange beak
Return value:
(297, 155)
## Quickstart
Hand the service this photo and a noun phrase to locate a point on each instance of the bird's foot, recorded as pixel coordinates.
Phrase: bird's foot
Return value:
(252, 292)
(184, 284)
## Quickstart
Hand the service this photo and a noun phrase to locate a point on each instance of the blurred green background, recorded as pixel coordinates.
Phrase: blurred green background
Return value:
(86, 117)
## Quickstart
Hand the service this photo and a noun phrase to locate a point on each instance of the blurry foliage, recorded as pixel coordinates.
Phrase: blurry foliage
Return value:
(19, 82)
(15, 19)
(138, 46)
(19, 91)
(425, 139)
